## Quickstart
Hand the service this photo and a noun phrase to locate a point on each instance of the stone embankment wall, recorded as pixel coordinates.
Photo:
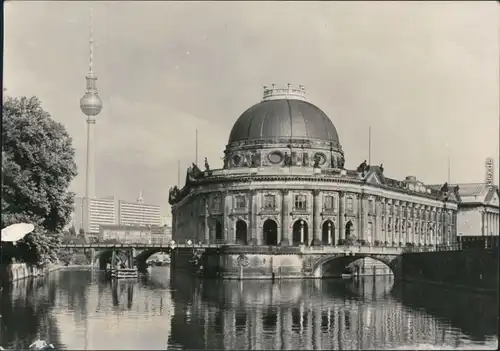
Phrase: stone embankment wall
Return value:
(475, 269)
(18, 271)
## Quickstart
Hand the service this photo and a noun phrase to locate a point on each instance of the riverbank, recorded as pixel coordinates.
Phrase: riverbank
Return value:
(18, 271)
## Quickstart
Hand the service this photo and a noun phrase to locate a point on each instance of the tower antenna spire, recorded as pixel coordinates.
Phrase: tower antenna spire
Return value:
(91, 105)
(91, 41)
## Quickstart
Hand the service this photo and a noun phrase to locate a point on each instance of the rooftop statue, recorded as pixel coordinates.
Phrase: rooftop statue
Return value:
(444, 188)
(317, 159)
(254, 162)
(195, 171)
(207, 166)
(381, 168)
(341, 162)
(172, 194)
(363, 167)
(225, 159)
(288, 160)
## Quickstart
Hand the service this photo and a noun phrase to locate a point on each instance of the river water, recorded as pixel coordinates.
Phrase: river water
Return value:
(79, 309)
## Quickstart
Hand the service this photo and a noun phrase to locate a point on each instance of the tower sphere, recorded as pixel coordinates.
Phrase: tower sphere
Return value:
(91, 104)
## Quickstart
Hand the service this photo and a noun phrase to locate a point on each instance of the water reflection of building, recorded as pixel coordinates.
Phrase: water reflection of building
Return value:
(299, 315)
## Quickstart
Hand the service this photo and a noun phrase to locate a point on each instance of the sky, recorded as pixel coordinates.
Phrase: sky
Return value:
(423, 75)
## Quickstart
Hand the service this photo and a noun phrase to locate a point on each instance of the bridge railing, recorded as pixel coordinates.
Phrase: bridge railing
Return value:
(447, 247)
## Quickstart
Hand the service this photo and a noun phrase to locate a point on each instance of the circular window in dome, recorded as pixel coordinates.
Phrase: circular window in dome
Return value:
(275, 157)
(321, 157)
(236, 160)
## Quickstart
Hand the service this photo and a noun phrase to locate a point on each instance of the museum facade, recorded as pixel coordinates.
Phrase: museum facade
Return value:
(283, 183)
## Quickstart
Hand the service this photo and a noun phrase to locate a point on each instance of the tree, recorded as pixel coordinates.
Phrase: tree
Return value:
(37, 168)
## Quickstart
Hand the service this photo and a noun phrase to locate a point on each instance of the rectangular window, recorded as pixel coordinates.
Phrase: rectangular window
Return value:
(269, 201)
(349, 204)
(300, 202)
(216, 203)
(328, 204)
(241, 202)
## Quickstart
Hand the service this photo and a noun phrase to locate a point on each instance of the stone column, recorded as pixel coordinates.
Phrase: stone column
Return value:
(253, 217)
(226, 226)
(285, 218)
(376, 220)
(482, 223)
(316, 219)
(361, 217)
(341, 228)
(330, 233)
(205, 223)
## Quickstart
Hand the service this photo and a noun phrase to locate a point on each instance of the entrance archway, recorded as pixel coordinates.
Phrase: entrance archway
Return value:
(241, 232)
(218, 232)
(300, 233)
(328, 233)
(270, 233)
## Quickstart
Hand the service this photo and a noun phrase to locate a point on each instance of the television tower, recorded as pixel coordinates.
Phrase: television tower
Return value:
(91, 105)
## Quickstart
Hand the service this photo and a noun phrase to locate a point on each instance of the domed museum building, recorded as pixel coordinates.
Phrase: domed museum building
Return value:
(284, 183)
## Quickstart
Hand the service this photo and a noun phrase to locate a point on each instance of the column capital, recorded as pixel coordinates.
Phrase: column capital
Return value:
(341, 194)
(285, 192)
(316, 192)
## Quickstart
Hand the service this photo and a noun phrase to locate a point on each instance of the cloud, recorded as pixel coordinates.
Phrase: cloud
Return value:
(421, 74)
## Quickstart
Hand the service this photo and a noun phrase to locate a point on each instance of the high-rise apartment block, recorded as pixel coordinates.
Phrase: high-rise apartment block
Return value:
(91, 213)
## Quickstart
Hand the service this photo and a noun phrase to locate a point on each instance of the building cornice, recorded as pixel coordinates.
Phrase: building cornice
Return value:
(400, 194)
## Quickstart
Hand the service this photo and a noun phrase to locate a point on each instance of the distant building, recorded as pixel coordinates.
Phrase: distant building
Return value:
(136, 234)
(478, 210)
(91, 213)
(137, 213)
(125, 233)
(161, 234)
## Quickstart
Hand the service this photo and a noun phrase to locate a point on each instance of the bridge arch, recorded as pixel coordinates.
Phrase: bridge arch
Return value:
(102, 257)
(334, 266)
(140, 259)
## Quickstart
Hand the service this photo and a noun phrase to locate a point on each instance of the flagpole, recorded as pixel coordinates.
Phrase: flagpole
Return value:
(178, 173)
(369, 145)
(449, 169)
(196, 160)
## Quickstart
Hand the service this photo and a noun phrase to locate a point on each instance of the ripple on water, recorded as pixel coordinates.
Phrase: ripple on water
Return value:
(81, 310)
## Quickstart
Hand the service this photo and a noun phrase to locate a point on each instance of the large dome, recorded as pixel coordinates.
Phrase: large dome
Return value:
(284, 118)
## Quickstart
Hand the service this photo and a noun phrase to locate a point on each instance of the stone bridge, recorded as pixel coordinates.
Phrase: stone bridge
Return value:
(133, 253)
(252, 262)
(264, 262)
